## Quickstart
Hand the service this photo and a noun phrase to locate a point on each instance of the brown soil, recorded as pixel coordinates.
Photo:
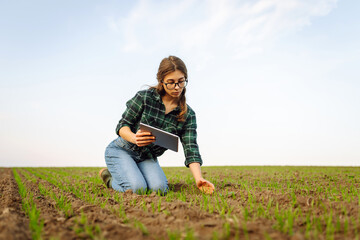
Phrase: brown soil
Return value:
(175, 216)
(58, 226)
(152, 217)
(13, 223)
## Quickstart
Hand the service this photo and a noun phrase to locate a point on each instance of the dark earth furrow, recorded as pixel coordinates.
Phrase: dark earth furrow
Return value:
(13, 222)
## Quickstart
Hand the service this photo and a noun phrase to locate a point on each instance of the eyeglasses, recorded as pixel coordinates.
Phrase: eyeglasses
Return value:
(172, 86)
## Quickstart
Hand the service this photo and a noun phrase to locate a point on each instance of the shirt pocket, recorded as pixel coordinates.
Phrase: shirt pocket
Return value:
(147, 119)
(172, 129)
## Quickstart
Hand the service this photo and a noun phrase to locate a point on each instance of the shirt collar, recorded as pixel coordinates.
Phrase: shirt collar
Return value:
(177, 109)
(157, 97)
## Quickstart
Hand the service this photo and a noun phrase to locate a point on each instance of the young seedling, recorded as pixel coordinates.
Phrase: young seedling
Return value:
(29, 207)
(141, 227)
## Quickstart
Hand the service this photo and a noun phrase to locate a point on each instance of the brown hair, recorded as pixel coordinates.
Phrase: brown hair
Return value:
(169, 65)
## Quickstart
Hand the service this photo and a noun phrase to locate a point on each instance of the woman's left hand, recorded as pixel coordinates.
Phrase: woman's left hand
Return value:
(205, 186)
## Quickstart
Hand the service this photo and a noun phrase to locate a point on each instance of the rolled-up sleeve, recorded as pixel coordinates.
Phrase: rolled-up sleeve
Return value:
(188, 140)
(133, 112)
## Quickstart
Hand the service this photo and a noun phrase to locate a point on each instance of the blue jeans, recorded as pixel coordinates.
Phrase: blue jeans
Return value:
(130, 172)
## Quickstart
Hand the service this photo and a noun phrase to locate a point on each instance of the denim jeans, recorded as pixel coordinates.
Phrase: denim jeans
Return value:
(130, 172)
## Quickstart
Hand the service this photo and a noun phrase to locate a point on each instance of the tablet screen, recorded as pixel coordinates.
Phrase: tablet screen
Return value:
(163, 138)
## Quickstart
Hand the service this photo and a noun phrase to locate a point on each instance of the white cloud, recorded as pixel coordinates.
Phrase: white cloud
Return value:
(265, 20)
(243, 28)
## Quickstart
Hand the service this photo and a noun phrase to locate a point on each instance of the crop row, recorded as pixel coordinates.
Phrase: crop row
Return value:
(81, 192)
(329, 206)
(29, 207)
(91, 191)
(41, 196)
(312, 202)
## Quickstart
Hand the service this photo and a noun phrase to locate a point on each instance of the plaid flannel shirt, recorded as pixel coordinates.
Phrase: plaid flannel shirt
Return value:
(147, 107)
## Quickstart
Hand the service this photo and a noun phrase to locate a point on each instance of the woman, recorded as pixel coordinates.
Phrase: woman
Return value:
(132, 157)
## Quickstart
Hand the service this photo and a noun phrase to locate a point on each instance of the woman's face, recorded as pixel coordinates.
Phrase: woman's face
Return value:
(173, 83)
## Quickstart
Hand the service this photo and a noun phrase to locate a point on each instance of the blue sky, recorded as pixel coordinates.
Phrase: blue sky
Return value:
(272, 82)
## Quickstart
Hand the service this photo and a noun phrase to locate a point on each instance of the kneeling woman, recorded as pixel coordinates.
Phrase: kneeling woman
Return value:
(132, 157)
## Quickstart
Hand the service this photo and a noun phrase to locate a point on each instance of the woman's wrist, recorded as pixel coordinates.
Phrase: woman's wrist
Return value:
(197, 179)
(196, 171)
(127, 134)
(133, 138)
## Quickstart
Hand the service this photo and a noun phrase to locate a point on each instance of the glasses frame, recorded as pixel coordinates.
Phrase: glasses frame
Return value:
(166, 84)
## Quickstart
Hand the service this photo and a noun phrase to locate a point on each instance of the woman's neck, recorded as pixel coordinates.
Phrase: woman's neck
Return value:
(170, 100)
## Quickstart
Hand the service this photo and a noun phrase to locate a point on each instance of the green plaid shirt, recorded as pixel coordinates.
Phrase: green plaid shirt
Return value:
(147, 107)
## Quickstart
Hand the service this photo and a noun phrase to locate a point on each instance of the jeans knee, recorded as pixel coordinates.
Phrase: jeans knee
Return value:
(138, 187)
(161, 187)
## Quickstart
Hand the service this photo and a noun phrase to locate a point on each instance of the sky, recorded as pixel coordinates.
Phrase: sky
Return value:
(272, 82)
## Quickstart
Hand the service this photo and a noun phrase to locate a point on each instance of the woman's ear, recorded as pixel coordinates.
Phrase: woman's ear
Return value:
(161, 87)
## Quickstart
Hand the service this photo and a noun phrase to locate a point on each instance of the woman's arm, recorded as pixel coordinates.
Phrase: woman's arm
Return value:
(140, 138)
(202, 184)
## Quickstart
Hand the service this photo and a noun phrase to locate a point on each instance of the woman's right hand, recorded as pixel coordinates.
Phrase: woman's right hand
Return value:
(143, 138)
(205, 186)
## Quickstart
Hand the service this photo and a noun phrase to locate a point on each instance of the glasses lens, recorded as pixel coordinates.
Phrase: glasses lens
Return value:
(170, 86)
(182, 84)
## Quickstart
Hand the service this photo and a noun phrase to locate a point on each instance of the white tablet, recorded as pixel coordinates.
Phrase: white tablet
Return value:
(163, 138)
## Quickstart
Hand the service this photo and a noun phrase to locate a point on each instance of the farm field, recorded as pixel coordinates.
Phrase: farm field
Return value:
(249, 203)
